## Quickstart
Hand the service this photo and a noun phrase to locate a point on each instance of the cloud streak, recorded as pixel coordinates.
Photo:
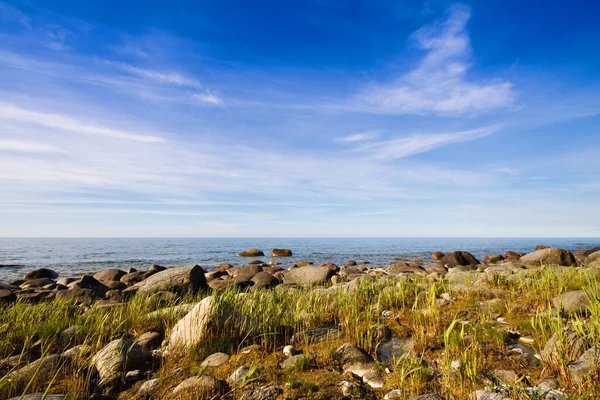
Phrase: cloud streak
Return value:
(439, 84)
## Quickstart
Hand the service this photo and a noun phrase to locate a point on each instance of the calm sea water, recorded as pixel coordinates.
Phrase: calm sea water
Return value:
(72, 257)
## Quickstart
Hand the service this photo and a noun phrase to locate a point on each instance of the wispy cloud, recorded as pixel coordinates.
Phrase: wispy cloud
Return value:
(22, 146)
(439, 84)
(66, 123)
(421, 143)
(173, 78)
(210, 98)
(357, 137)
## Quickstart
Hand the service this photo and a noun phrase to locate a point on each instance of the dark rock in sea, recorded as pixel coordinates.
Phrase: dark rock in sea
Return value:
(251, 253)
(109, 275)
(549, 256)
(438, 255)
(458, 258)
(255, 262)
(351, 263)
(281, 253)
(41, 273)
(309, 275)
(189, 277)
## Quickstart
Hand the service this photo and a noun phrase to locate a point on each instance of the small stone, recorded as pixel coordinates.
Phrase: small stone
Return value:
(148, 388)
(289, 350)
(262, 393)
(215, 360)
(373, 379)
(244, 373)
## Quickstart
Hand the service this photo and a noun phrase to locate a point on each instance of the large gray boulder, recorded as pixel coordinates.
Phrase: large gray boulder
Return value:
(189, 277)
(458, 258)
(309, 275)
(573, 302)
(203, 321)
(118, 357)
(550, 256)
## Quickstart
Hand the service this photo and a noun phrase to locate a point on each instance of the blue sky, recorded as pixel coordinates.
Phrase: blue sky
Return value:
(299, 119)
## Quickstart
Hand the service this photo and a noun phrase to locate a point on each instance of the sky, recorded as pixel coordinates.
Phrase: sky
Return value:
(316, 118)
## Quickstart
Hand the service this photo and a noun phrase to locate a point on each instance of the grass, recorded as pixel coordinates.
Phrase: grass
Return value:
(456, 346)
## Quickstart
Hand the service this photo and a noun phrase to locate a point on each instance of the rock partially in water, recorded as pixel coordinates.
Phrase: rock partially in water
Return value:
(251, 253)
(41, 273)
(281, 253)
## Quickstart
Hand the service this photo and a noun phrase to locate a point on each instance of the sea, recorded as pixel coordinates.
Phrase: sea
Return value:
(72, 257)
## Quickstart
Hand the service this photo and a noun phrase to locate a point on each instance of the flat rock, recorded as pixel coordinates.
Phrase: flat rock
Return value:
(309, 275)
(215, 360)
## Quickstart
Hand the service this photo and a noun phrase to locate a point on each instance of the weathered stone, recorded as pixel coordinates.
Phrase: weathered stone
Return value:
(190, 277)
(40, 369)
(264, 280)
(41, 273)
(350, 263)
(40, 396)
(205, 319)
(109, 275)
(262, 393)
(80, 295)
(36, 283)
(7, 296)
(215, 360)
(404, 268)
(118, 357)
(582, 369)
(354, 360)
(557, 352)
(373, 379)
(148, 388)
(251, 253)
(134, 277)
(281, 253)
(457, 258)
(248, 270)
(549, 256)
(593, 260)
(308, 275)
(80, 351)
(573, 302)
(298, 361)
(150, 340)
(392, 349)
(244, 373)
(200, 387)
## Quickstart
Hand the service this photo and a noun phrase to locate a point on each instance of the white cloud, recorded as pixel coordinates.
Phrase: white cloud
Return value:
(66, 123)
(421, 143)
(439, 84)
(210, 98)
(22, 146)
(357, 137)
(173, 78)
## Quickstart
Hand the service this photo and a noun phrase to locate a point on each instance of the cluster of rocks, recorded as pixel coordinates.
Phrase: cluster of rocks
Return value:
(133, 359)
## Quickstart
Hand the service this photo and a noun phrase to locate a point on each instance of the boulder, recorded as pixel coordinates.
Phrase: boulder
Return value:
(549, 256)
(243, 373)
(281, 253)
(206, 318)
(351, 263)
(41, 273)
(264, 280)
(587, 253)
(190, 277)
(309, 275)
(40, 369)
(36, 283)
(354, 360)
(40, 396)
(298, 361)
(246, 270)
(573, 302)
(148, 388)
(7, 296)
(541, 247)
(571, 347)
(150, 340)
(251, 253)
(109, 275)
(493, 258)
(200, 387)
(593, 260)
(457, 258)
(438, 255)
(134, 277)
(581, 370)
(118, 357)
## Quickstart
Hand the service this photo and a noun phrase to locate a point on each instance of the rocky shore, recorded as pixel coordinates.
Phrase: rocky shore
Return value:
(510, 326)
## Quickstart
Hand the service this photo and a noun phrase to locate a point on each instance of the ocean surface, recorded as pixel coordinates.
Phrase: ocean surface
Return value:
(76, 256)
